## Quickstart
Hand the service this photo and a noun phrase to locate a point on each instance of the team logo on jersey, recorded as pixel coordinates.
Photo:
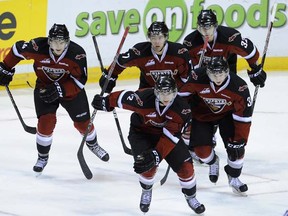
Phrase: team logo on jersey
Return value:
(187, 43)
(45, 61)
(54, 74)
(185, 111)
(194, 75)
(205, 91)
(150, 63)
(80, 56)
(34, 45)
(242, 88)
(136, 51)
(217, 50)
(182, 50)
(152, 115)
(216, 105)
(138, 99)
(155, 73)
(232, 38)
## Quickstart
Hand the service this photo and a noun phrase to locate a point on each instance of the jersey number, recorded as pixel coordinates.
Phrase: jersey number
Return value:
(244, 43)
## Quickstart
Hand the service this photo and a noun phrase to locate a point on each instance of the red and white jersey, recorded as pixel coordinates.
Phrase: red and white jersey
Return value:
(174, 60)
(69, 69)
(211, 103)
(226, 41)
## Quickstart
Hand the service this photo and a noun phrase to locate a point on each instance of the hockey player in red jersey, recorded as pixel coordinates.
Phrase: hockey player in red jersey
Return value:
(223, 41)
(155, 134)
(153, 57)
(61, 69)
(219, 98)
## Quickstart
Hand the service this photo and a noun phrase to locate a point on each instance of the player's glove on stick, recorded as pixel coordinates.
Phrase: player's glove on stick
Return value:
(52, 92)
(101, 103)
(257, 75)
(6, 75)
(146, 161)
(111, 82)
(235, 149)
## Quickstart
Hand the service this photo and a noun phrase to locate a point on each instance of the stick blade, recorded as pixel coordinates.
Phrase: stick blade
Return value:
(85, 169)
(31, 130)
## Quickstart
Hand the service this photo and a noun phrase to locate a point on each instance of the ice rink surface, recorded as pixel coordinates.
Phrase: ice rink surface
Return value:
(62, 189)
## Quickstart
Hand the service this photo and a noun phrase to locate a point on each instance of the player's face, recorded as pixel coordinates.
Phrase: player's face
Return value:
(58, 46)
(158, 41)
(217, 77)
(165, 97)
(207, 31)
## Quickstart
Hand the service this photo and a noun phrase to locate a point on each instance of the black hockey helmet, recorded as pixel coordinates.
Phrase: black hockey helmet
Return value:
(165, 89)
(165, 83)
(207, 18)
(217, 64)
(157, 28)
(59, 31)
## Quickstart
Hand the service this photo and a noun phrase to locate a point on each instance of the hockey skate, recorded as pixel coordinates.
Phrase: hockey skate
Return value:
(214, 171)
(99, 152)
(237, 186)
(40, 164)
(194, 204)
(145, 200)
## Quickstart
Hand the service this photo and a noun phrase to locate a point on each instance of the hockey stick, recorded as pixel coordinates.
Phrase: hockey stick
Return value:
(86, 171)
(265, 50)
(203, 51)
(163, 180)
(27, 128)
(125, 148)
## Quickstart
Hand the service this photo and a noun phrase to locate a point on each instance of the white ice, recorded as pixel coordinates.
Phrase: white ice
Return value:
(62, 189)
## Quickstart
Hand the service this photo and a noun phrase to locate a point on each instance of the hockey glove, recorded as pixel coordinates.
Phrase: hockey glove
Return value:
(146, 161)
(101, 103)
(235, 150)
(6, 75)
(111, 81)
(257, 75)
(52, 92)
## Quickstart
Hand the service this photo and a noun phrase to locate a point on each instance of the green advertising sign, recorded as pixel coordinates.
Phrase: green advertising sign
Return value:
(176, 14)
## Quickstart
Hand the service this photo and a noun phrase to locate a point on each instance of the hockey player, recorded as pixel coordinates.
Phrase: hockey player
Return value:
(223, 41)
(155, 134)
(61, 69)
(153, 57)
(223, 99)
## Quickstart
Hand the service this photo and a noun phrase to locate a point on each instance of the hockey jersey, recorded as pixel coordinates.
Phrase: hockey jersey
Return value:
(210, 102)
(69, 69)
(227, 41)
(175, 60)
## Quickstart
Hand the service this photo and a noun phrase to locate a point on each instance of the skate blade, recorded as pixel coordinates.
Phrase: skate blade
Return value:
(239, 192)
(37, 174)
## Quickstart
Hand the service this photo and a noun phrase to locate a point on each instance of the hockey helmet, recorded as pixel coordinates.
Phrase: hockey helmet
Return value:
(165, 89)
(207, 18)
(60, 32)
(217, 69)
(157, 28)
